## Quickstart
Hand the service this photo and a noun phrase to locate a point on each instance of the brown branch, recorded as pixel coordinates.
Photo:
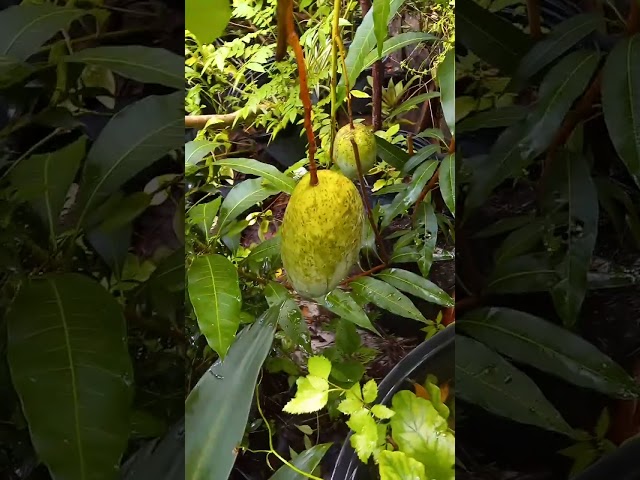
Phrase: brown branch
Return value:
(365, 199)
(284, 27)
(410, 144)
(217, 121)
(633, 20)
(378, 71)
(533, 12)
(364, 274)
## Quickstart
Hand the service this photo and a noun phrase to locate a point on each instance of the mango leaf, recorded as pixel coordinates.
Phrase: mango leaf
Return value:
(203, 215)
(571, 189)
(396, 43)
(492, 38)
(410, 103)
(399, 466)
(67, 352)
(420, 156)
(217, 409)
(207, 19)
(564, 83)
(427, 228)
(306, 461)
(276, 293)
(24, 28)
(126, 211)
(380, 18)
(194, 152)
(214, 292)
(243, 196)
(527, 273)
(294, 325)
(252, 167)
(134, 138)
(416, 285)
(446, 78)
(560, 40)
(522, 240)
(143, 64)
(486, 379)
(267, 251)
(44, 180)
(494, 118)
(386, 297)
(447, 182)
(621, 102)
(363, 43)
(13, 71)
(408, 197)
(421, 433)
(342, 304)
(170, 273)
(550, 348)
(391, 154)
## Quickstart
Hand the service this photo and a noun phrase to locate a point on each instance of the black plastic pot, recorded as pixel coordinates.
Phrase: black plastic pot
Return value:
(435, 356)
(622, 464)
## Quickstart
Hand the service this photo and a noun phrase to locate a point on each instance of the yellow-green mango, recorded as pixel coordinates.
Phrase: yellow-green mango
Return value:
(343, 155)
(321, 233)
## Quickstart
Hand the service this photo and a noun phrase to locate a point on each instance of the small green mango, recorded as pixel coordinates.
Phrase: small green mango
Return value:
(343, 155)
(321, 233)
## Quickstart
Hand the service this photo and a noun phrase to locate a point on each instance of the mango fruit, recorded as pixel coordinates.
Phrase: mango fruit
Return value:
(321, 233)
(343, 155)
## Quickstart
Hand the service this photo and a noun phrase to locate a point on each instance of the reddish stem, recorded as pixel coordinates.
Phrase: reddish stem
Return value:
(533, 12)
(364, 274)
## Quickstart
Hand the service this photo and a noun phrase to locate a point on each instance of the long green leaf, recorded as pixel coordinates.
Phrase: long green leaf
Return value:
(306, 461)
(214, 292)
(243, 196)
(133, 139)
(416, 285)
(420, 156)
(24, 28)
(44, 180)
(447, 181)
(396, 43)
(391, 154)
(563, 84)
(523, 274)
(486, 379)
(386, 297)
(560, 40)
(253, 167)
(380, 17)
(571, 189)
(494, 118)
(143, 64)
(70, 366)
(427, 227)
(343, 305)
(194, 152)
(550, 348)
(217, 409)
(408, 197)
(446, 77)
(492, 38)
(621, 102)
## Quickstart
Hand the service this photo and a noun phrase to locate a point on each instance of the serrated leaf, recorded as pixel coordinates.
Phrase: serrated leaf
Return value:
(365, 439)
(492, 38)
(621, 102)
(242, 196)
(139, 63)
(207, 19)
(306, 461)
(550, 348)
(270, 173)
(217, 409)
(399, 466)
(446, 78)
(414, 284)
(319, 366)
(134, 138)
(312, 395)
(67, 330)
(24, 28)
(382, 412)
(386, 297)
(421, 433)
(564, 83)
(214, 292)
(342, 304)
(44, 180)
(495, 118)
(370, 391)
(560, 40)
(447, 182)
(486, 379)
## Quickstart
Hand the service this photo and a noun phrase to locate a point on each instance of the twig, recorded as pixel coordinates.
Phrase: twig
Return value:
(216, 121)
(365, 199)
(533, 12)
(633, 21)
(364, 274)
(410, 144)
